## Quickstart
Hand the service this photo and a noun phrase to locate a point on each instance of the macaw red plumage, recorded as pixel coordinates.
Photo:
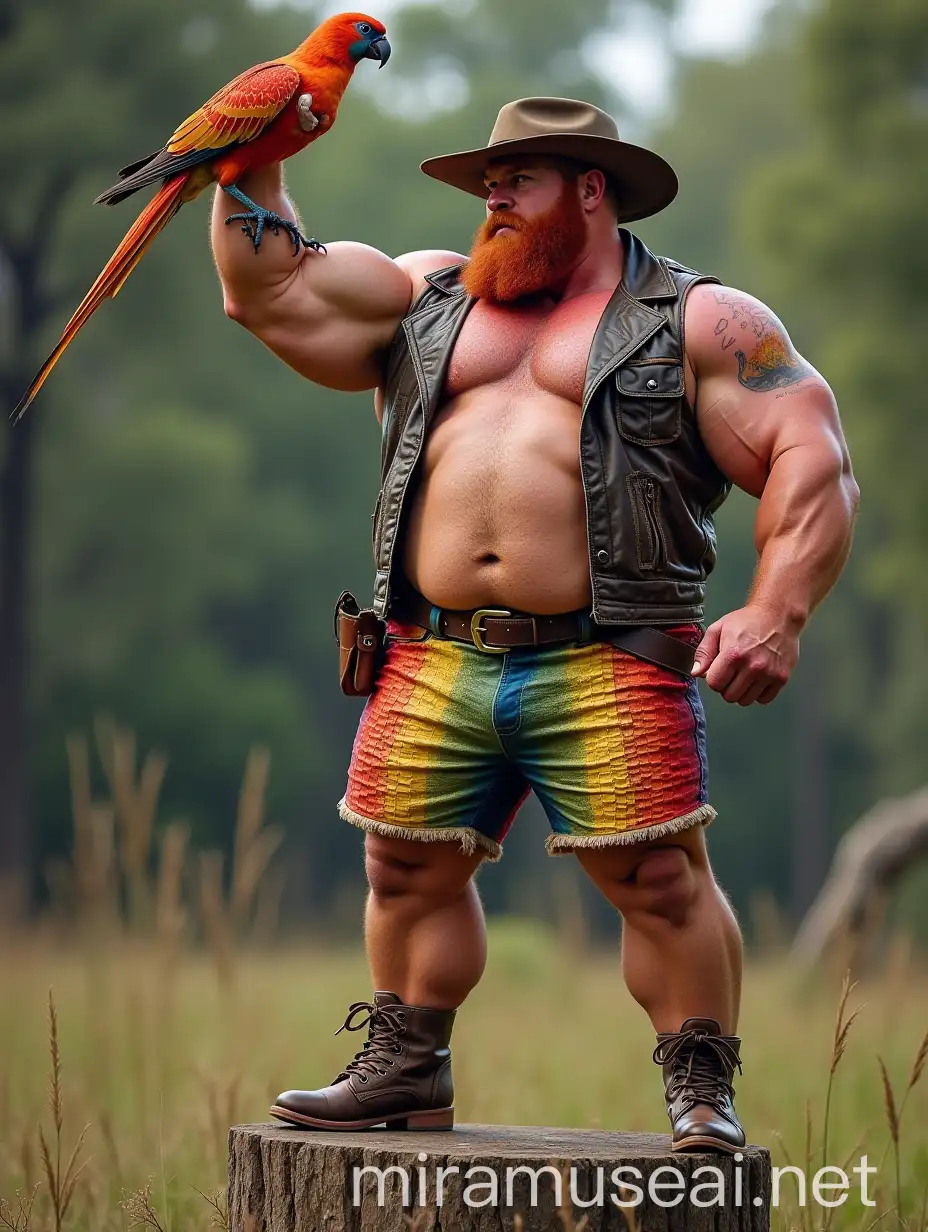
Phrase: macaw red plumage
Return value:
(263, 116)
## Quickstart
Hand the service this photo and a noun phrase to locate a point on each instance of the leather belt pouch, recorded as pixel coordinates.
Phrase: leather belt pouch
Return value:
(361, 636)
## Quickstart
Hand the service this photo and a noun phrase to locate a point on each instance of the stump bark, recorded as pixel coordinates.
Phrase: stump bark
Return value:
(290, 1180)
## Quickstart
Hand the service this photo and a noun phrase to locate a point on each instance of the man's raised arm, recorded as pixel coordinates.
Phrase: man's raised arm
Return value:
(328, 315)
(770, 422)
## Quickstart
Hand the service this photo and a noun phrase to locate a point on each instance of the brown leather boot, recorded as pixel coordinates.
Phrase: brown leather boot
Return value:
(400, 1078)
(699, 1065)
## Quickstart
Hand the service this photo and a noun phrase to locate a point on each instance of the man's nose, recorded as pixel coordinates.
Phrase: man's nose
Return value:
(499, 199)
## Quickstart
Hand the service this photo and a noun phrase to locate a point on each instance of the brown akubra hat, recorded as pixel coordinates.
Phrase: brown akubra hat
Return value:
(644, 182)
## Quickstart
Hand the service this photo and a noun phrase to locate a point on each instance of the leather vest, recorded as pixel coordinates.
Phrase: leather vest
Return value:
(650, 485)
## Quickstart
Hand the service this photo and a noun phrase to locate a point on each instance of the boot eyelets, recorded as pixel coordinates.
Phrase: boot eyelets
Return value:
(362, 1078)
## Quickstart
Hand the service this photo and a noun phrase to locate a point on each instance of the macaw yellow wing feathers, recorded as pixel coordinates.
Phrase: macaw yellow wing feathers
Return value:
(239, 111)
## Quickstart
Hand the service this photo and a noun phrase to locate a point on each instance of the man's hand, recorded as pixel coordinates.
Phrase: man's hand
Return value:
(748, 655)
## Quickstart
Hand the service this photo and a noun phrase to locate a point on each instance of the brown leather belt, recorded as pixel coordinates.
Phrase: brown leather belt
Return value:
(496, 630)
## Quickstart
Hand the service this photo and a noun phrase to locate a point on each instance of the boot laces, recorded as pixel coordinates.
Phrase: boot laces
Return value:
(702, 1067)
(386, 1023)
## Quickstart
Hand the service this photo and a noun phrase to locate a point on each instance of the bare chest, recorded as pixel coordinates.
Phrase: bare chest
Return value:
(526, 348)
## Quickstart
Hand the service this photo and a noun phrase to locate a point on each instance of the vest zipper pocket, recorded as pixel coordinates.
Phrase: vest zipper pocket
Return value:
(645, 494)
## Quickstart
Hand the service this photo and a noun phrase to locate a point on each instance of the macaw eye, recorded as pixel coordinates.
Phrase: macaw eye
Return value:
(364, 27)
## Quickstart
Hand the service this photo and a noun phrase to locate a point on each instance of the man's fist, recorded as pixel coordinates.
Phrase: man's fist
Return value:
(748, 655)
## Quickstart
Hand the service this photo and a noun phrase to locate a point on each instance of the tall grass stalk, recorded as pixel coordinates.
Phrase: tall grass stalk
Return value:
(135, 799)
(894, 1114)
(839, 1044)
(892, 1119)
(61, 1185)
(170, 913)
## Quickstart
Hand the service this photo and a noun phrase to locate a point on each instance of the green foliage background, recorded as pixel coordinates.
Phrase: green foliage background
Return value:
(199, 506)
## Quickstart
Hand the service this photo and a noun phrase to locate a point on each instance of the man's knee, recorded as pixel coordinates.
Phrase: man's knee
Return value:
(661, 888)
(666, 884)
(398, 868)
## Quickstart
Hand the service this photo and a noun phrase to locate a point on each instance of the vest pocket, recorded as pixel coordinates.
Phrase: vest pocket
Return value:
(645, 495)
(649, 402)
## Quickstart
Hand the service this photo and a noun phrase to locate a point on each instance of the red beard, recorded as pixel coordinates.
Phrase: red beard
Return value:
(536, 256)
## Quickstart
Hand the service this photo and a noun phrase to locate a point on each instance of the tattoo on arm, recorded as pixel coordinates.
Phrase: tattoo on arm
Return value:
(766, 358)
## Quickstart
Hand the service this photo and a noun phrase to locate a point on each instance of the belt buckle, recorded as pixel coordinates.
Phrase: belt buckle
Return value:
(477, 633)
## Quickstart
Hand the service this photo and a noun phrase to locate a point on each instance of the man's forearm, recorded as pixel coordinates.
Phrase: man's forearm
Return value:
(803, 531)
(241, 269)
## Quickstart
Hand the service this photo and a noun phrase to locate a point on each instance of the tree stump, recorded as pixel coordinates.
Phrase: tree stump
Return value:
(291, 1180)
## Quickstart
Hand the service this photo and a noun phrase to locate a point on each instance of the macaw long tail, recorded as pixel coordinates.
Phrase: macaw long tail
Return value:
(154, 218)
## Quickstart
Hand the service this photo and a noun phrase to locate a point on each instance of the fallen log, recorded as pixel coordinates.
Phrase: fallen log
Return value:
(870, 859)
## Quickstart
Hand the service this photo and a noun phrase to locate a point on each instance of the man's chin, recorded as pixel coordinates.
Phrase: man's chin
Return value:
(495, 269)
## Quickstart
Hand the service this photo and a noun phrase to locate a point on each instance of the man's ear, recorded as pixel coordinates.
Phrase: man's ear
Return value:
(593, 186)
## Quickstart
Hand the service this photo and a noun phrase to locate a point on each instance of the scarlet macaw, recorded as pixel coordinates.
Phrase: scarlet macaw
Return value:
(263, 116)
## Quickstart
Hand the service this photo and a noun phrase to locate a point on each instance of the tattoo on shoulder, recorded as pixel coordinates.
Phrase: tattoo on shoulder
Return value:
(766, 358)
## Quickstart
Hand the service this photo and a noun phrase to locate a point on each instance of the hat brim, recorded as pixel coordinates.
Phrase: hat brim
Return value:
(645, 182)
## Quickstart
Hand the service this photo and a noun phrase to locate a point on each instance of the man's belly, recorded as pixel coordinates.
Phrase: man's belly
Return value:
(498, 518)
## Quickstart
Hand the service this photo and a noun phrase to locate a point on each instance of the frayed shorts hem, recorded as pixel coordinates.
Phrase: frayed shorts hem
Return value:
(471, 840)
(564, 844)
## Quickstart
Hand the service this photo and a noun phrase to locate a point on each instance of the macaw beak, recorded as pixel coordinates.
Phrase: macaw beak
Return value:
(379, 50)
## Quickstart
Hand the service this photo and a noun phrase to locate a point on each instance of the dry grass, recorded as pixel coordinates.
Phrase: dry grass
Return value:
(60, 1185)
(158, 1044)
(159, 1079)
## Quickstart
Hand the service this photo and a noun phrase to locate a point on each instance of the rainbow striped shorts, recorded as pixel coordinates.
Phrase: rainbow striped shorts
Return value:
(452, 739)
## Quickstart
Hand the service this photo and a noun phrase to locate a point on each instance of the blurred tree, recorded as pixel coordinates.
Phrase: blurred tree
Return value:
(79, 97)
(843, 232)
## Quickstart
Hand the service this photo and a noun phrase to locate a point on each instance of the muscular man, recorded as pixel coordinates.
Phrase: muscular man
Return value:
(561, 414)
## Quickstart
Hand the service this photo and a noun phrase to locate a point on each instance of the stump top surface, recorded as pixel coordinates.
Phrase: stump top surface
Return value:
(522, 1142)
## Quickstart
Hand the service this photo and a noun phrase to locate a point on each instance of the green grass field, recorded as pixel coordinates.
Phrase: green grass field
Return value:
(158, 1059)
